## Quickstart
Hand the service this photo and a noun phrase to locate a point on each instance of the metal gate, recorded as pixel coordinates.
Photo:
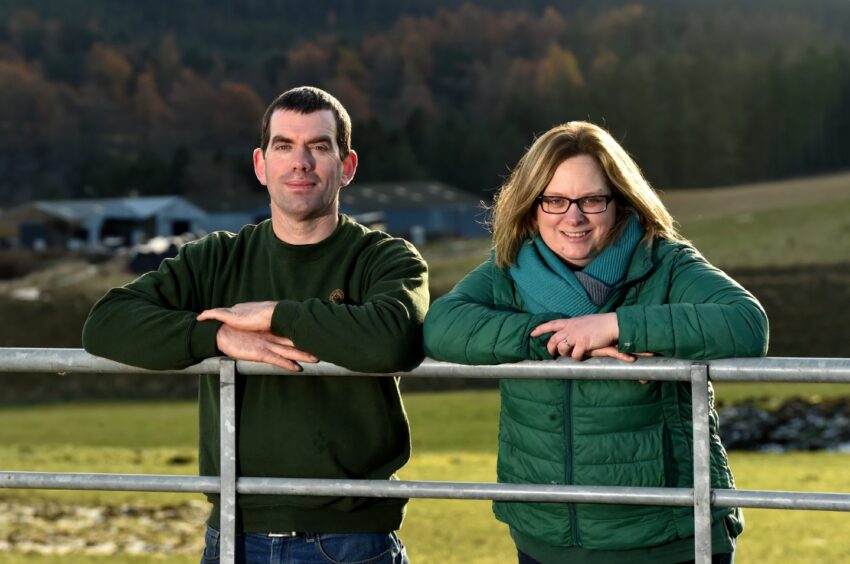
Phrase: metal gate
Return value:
(701, 497)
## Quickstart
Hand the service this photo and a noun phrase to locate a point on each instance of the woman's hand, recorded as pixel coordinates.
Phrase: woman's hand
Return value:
(580, 337)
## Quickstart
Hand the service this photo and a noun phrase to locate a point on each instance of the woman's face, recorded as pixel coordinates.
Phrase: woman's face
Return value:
(574, 236)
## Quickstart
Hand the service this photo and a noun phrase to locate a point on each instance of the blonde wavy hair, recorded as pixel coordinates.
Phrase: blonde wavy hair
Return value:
(513, 211)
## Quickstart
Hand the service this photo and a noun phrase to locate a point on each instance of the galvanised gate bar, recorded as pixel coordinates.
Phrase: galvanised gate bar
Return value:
(700, 497)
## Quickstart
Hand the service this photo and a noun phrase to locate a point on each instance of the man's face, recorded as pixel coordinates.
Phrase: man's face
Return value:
(301, 167)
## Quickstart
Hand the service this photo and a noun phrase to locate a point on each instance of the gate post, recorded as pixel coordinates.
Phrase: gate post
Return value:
(227, 431)
(702, 464)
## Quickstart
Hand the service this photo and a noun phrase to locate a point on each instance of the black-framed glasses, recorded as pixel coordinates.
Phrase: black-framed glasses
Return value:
(562, 204)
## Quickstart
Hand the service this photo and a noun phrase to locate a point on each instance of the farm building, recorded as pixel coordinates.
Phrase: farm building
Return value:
(74, 224)
(418, 210)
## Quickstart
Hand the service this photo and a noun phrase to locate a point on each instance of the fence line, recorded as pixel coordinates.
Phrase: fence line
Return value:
(770, 369)
(701, 497)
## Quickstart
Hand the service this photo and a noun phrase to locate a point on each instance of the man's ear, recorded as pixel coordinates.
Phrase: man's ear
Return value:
(260, 166)
(349, 167)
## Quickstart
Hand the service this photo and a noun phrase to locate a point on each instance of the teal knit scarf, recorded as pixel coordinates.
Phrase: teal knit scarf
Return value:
(546, 284)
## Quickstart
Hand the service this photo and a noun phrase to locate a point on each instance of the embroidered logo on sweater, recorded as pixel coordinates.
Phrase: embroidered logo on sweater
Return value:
(337, 296)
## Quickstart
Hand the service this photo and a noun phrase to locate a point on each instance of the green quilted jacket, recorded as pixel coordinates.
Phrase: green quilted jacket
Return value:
(615, 433)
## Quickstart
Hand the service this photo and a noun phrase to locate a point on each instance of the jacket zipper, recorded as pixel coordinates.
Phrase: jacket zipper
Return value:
(568, 415)
(568, 435)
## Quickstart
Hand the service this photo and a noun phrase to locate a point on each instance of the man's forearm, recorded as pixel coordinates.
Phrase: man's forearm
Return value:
(126, 327)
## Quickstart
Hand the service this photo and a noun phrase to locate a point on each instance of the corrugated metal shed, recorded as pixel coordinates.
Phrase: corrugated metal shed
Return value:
(77, 222)
(121, 208)
(404, 195)
(419, 210)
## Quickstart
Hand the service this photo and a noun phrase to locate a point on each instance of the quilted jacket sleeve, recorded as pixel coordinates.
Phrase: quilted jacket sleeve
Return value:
(469, 325)
(706, 315)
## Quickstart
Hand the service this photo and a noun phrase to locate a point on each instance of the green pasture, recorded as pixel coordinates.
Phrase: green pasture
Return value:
(454, 440)
(798, 235)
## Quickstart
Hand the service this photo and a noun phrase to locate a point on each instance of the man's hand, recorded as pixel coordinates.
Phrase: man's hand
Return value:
(612, 352)
(248, 316)
(261, 346)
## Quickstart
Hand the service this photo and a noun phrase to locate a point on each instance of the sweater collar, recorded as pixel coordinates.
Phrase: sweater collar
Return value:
(306, 253)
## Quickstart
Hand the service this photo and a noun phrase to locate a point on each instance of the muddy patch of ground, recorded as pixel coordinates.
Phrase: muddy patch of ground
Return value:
(58, 529)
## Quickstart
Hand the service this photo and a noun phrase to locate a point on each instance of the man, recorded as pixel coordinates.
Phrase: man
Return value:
(309, 284)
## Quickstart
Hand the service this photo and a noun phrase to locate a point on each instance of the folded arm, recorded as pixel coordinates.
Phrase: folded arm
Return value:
(381, 333)
(154, 321)
(707, 315)
(150, 322)
(468, 327)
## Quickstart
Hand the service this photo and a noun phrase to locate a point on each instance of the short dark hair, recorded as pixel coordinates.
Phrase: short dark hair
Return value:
(306, 100)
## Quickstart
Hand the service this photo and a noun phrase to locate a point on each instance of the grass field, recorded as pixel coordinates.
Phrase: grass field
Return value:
(706, 203)
(820, 234)
(160, 438)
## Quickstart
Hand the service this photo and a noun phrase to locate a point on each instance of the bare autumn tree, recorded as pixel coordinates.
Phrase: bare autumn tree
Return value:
(193, 102)
(150, 109)
(30, 107)
(308, 63)
(355, 100)
(31, 116)
(168, 61)
(109, 70)
(26, 32)
(237, 111)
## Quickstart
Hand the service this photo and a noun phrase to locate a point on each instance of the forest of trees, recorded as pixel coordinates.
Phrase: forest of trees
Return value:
(103, 98)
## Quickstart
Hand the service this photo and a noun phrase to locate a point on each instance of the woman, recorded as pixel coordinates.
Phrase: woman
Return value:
(587, 262)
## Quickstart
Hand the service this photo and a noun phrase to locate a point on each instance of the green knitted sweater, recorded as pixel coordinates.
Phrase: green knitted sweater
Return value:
(356, 299)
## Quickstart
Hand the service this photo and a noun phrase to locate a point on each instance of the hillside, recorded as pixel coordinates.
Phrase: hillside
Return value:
(791, 223)
(716, 202)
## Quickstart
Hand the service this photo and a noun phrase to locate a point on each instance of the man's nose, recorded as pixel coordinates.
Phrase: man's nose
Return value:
(302, 159)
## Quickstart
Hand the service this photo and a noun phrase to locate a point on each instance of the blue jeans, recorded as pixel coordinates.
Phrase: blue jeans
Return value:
(310, 548)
